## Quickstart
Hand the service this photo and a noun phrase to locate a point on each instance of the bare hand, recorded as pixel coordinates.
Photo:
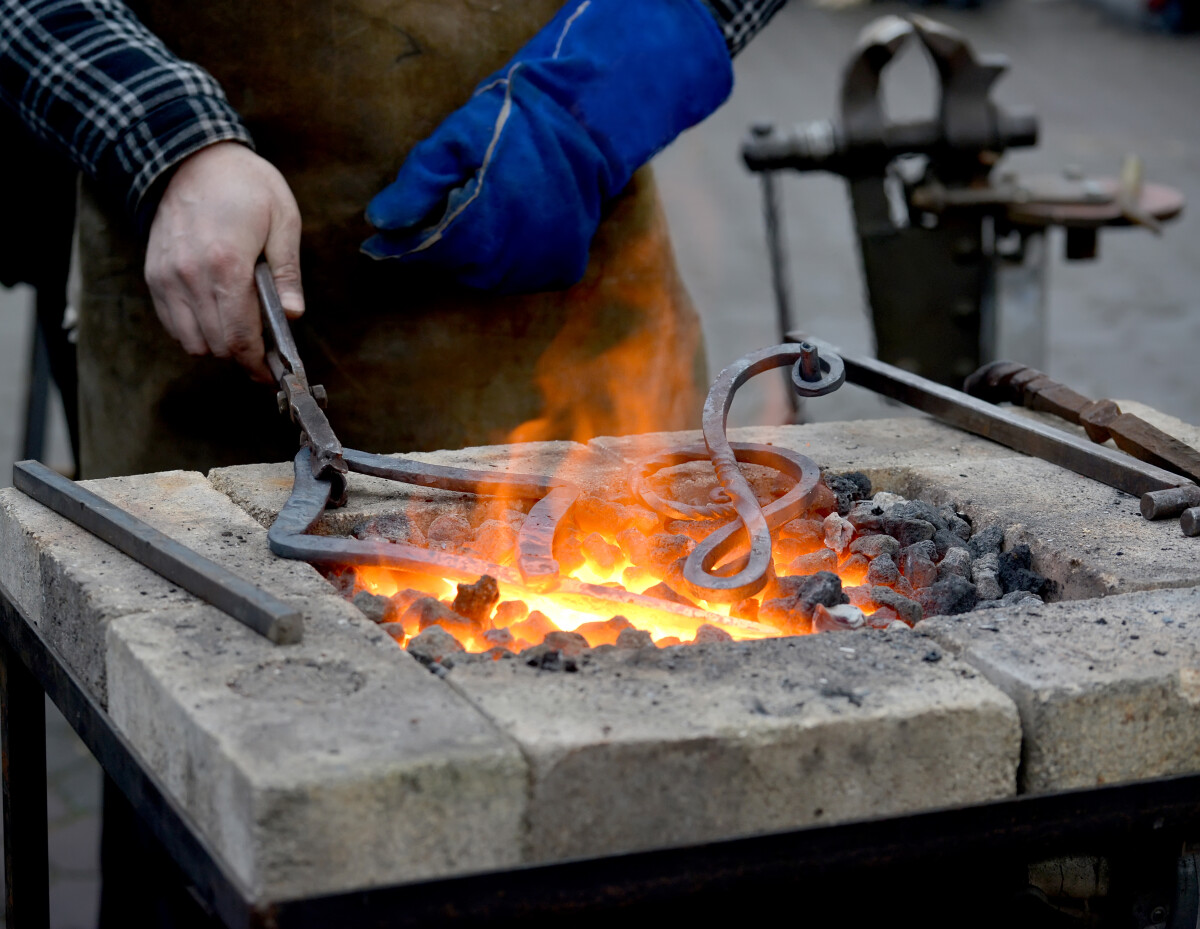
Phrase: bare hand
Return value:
(223, 208)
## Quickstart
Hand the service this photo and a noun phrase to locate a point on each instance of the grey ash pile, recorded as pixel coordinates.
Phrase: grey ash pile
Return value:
(856, 559)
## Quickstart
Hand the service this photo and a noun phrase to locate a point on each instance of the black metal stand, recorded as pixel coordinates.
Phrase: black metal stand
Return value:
(33, 668)
(23, 728)
(51, 364)
(37, 401)
(952, 867)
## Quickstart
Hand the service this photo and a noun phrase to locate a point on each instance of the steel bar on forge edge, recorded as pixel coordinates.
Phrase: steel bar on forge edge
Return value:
(250, 605)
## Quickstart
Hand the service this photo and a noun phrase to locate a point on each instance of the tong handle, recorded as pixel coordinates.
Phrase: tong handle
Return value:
(277, 325)
(1101, 419)
(1022, 385)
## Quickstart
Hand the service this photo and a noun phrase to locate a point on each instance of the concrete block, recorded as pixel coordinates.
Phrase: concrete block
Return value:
(332, 765)
(20, 568)
(260, 490)
(186, 507)
(1108, 689)
(651, 748)
(71, 584)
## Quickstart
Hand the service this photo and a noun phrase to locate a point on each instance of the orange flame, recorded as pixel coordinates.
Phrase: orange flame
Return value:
(604, 373)
(616, 571)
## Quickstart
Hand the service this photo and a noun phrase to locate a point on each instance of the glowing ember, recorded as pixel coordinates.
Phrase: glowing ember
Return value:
(622, 567)
(853, 560)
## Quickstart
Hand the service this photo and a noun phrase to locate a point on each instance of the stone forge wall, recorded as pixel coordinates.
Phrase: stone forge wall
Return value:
(342, 763)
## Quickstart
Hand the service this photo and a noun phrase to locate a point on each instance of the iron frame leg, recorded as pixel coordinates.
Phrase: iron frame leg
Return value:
(31, 670)
(26, 841)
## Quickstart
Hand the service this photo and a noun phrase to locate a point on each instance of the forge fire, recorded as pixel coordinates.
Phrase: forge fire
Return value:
(854, 559)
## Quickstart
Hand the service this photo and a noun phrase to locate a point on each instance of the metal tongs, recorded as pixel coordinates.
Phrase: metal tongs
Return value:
(302, 402)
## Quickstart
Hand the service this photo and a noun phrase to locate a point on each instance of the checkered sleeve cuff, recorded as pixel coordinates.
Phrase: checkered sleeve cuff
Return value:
(88, 78)
(149, 149)
(740, 20)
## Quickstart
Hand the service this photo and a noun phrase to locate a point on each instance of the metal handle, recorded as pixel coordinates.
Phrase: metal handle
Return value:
(277, 324)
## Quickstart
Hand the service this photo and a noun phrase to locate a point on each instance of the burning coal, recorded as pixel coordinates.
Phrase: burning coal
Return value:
(854, 559)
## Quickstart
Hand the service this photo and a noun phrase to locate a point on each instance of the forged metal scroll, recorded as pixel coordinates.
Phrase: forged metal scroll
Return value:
(288, 538)
(750, 575)
(698, 569)
(537, 568)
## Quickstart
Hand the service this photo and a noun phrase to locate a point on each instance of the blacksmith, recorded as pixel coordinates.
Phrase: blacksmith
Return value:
(519, 273)
(509, 282)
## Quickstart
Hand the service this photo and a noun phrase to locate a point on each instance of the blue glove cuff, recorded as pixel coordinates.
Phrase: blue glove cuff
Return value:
(507, 193)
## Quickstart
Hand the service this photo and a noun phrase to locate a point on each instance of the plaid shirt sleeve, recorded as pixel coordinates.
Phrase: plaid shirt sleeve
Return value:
(740, 20)
(88, 78)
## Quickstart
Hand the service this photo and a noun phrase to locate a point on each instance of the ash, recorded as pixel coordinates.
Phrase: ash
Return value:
(856, 560)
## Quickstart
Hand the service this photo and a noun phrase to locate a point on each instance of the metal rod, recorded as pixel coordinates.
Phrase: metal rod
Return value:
(26, 842)
(777, 246)
(1021, 433)
(810, 362)
(250, 605)
(1163, 504)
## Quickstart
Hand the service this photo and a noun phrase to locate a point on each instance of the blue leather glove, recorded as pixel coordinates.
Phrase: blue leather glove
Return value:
(507, 193)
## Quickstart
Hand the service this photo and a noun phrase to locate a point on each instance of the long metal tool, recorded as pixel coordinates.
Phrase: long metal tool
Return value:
(250, 605)
(300, 400)
(1017, 432)
(1101, 419)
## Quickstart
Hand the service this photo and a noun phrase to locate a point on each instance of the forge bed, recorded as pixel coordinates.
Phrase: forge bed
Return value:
(341, 765)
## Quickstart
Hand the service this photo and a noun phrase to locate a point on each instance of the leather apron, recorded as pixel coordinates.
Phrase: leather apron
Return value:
(335, 93)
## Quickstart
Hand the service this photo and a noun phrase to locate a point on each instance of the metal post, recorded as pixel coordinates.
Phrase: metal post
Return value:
(777, 249)
(37, 400)
(26, 844)
(1018, 330)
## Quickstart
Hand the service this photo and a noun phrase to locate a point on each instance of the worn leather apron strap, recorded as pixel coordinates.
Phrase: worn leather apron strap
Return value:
(335, 100)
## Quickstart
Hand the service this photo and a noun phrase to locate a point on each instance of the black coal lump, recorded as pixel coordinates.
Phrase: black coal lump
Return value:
(945, 540)
(917, 509)
(1016, 572)
(956, 522)
(823, 588)
(861, 482)
(948, 597)
(987, 541)
(848, 488)
(374, 607)
(907, 530)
